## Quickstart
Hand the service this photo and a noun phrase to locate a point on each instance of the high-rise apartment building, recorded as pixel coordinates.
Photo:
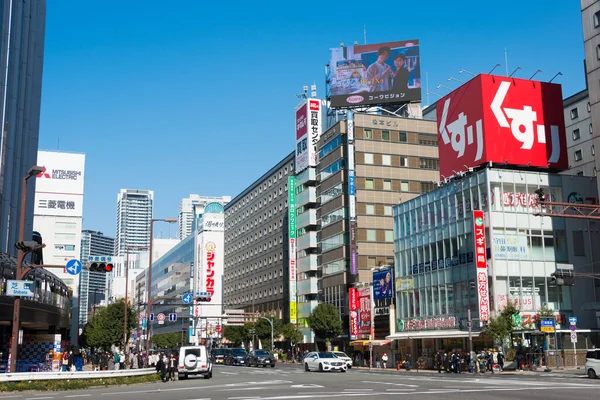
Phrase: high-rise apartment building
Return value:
(194, 204)
(256, 251)
(134, 212)
(22, 31)
(580, 144)
(93, 284)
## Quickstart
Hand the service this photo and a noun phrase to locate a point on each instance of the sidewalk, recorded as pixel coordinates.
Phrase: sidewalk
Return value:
(568, 371)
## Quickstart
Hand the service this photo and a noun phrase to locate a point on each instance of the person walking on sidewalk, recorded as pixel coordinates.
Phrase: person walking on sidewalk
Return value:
(384, 359)
(500, 361)
(439, 360)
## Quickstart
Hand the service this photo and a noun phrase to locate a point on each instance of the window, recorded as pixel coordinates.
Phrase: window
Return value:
(402, 137)
(598, 52)
(597, 19)
(574, 113)
(332, 217)
(387, 184)
(593, 150)
(368, 158)
(368, 183)
(578, 244)
(332, 242)
(329, 147)
(371, 209)
(576, 134)
(371, 235)
(427, 187)
(578, 155)
(368, 134)
(404, 186)
(591, 129)
(403, 161)
(589, 107)
(385, 135)
(389, 236)
(429, 163)
(580, 173)
(386, 159)
(387, 210)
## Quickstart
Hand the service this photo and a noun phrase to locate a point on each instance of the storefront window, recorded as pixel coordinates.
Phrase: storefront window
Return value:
(535, 244)
(539, 296)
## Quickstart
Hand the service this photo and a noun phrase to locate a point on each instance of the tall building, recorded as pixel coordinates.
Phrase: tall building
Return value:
(58, 215)
(22, 31)
(194, 203)
(590, 16)
(134, 212)
(93, 284)
(580, 144)
(256, 229)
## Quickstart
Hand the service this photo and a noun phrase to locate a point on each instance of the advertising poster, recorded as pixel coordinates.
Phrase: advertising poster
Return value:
(371, 74)
(308, 132)
(481, 264)
(292, 246)
(383, 284)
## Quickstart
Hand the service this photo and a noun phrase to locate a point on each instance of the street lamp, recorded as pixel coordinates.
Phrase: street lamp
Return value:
(149, 286)
(271, 323)
(127, 248)
(22, 251)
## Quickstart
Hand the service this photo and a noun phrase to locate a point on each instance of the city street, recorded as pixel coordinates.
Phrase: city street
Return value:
(289, 381)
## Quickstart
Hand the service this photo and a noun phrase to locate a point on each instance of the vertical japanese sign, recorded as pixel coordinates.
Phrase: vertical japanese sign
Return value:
(308, 132)
(353, 306)
(481, 264)
(352, 193)
(365, 311)
(292, 246)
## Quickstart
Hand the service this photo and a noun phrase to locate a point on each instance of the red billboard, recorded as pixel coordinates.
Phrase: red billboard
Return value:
(502, 120)
(364, 315)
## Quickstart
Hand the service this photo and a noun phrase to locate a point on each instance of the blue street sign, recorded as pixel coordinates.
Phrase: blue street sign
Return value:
(203, 294)
(151, 316)
(172, 317)
(573, 320)
(187, 298)
(73, 267)
(547, 322)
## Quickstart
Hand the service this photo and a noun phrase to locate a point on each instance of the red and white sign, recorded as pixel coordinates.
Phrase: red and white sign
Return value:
(481, 264)
(353, 299)
(364, 314)
(353, 325)
(502, 120)
(209, 276)
(161, 318)
(308, 132)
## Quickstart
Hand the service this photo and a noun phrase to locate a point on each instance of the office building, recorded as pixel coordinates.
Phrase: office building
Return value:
(22, 31)
(93, 284)
(134, 213)
(194, 203)
(256, 245)
(580, 140)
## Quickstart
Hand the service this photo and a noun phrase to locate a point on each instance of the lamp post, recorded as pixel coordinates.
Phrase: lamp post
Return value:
(126, 295)
(149, 285)
(271, 323)
(14, 346)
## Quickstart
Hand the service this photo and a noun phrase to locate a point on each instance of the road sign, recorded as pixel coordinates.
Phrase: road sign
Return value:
(203, 294)
(573, 320)
(151, 316)
(573, 328)
(187, 298)
(172, 317)
(161, 318)
(573, 337)
(100, 258)
(19, 288)
(547, 325)
(73, 267)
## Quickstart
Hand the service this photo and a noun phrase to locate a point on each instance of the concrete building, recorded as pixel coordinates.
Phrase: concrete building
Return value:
(93, 284)
(256, 245)
(194, 203)
(438, 269)
(367, 165)
(22, 31)
(580, 135)
(134, 213)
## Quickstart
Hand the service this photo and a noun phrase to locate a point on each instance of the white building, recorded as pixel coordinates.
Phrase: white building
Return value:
(58, 215)
(134, 212)
(580, 135)
(194, 203)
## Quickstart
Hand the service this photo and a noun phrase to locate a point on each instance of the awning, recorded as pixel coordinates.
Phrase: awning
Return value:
(366, 342)
(433, 334)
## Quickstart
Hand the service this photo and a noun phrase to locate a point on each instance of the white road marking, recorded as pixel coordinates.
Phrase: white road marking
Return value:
(307, 385)
(78, 395)
(38, 398)
(227, 373)
(358, 390)
(391, 383)
(399, 390)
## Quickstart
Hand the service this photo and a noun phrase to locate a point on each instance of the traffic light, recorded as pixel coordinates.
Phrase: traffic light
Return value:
(540, 194)
(101, 267)
(203, 297)
(563, 277)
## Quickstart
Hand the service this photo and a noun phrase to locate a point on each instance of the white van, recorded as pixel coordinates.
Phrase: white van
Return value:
(592, 363)
(194, 360)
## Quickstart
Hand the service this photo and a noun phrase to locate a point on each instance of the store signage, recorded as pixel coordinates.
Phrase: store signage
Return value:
(353, 298)
(382, 311)
(481, 264)
(292, 247)
(547, 325)
(353, 325)
(365, 311)
(510, 247)
(427, 324)
(19, 288)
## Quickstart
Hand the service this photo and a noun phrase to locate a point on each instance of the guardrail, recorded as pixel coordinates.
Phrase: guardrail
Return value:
(44, 376)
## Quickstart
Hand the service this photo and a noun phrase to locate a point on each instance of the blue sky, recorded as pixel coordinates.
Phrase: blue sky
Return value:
(198, 97)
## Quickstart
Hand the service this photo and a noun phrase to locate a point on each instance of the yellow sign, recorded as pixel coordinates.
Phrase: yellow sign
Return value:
(404, 284)
(547, 329)
(293, 314)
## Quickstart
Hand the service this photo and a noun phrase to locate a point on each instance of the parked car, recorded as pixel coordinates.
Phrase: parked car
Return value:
(235, 356)
(343, 356)
(592, 363)
(323, 362)
(194, 360)
(260, 357)
(218, 355)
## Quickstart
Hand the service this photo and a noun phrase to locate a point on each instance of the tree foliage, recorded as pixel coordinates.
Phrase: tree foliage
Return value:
(237, 334)
(292, 333)
(325, 322)
(105, 328)
(171, 340)
(501, 326)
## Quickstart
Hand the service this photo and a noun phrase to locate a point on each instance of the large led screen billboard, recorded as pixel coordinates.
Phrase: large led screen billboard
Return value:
(371, 74)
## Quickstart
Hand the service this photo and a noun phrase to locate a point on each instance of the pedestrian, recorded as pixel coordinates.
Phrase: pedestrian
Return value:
(377, 360)
(519, 360)
(64, 361)
(71, 361)
(500, 361)
(490, 361)
(172, 367)
(438, 361)
(135, 363)
(408, 361)
(384, 360)
(122, 360)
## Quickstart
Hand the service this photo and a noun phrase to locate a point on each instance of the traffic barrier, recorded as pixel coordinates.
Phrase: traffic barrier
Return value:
(47, 376)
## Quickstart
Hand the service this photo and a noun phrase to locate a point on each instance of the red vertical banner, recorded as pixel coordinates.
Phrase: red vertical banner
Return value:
(353, 306)
(481, 264)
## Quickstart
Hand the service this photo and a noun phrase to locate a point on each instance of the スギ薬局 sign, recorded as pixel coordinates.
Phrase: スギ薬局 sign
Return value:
(481, 264)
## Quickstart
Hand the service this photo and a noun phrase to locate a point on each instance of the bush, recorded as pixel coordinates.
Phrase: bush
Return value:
(67, 384)
(511, 355)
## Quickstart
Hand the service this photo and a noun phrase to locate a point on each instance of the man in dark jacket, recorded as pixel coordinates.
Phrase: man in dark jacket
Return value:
(161, 367)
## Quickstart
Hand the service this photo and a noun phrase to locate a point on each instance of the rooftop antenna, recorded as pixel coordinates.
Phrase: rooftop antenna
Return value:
(313, 90)
(454, 79)
(495, 66)
(539, 70)
(427, 86)
(516, 69)
(468, 72)
(506, 60)
(356, 42)
(435, 94)
(557, 74)
(445, 87)
(302, 96)
(365, 34)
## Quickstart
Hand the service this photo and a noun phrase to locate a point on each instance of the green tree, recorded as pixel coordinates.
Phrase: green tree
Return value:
(502, 326)
(236, 334)
(262, 330)
(171, 340)
(105, 327)
(291, 333)
(325, 322)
